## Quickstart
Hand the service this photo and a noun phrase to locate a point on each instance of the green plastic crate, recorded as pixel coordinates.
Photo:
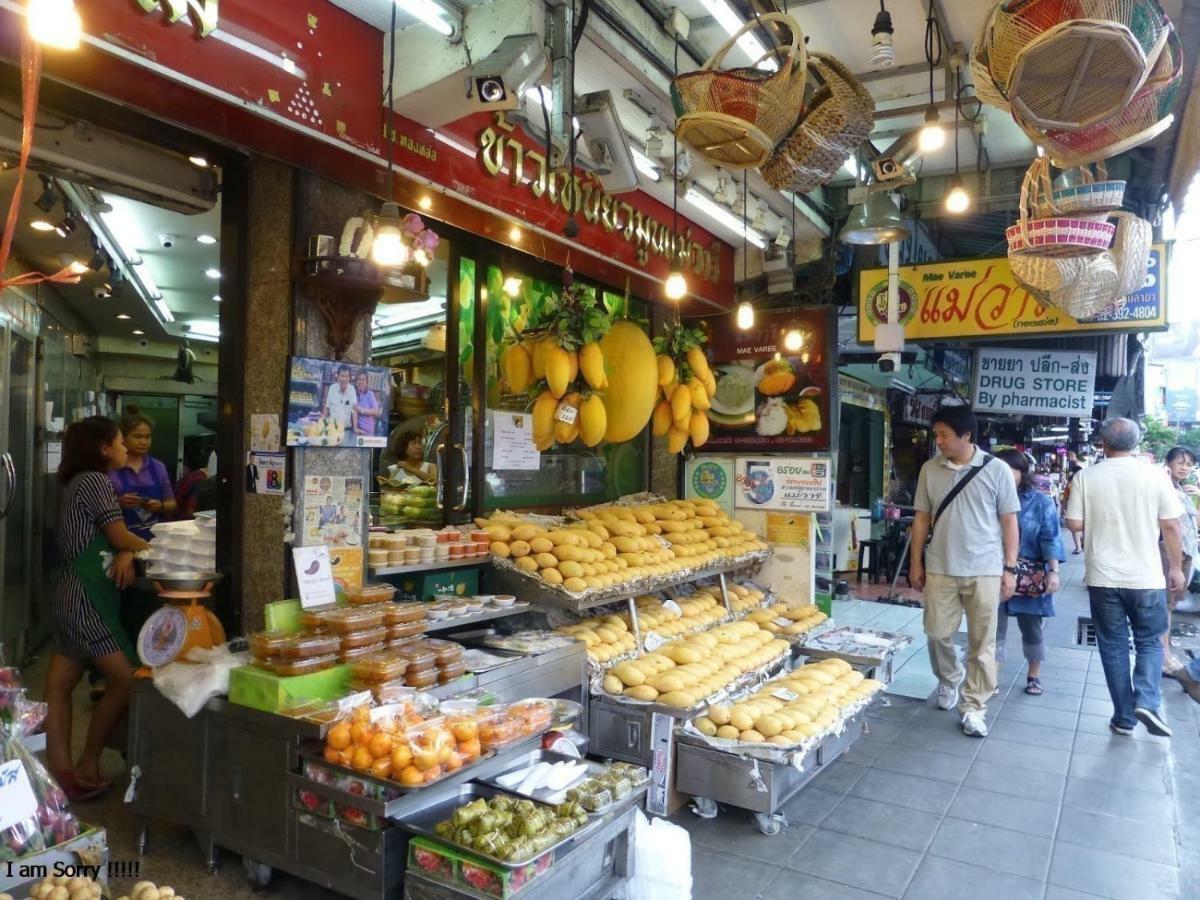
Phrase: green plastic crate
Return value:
(259, 689)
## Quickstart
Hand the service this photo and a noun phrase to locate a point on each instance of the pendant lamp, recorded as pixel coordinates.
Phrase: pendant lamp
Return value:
(875, 222)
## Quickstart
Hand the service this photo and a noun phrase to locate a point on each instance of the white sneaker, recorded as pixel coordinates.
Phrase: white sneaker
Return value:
(1188, 605)
(947, 696)
(974, 724)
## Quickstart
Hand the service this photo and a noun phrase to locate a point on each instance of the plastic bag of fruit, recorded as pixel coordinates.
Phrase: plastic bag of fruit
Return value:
(52, 821)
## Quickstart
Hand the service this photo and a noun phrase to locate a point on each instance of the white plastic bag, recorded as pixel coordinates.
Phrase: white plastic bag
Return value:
(189, 685)
(662, 861)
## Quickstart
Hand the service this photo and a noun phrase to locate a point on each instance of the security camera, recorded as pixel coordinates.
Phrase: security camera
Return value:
(143, 342)
(167, 241)
(889, 362)
(886, 168)
(102, 292)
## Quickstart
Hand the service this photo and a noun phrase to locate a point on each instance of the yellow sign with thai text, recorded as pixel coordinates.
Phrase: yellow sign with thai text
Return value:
(979, 298)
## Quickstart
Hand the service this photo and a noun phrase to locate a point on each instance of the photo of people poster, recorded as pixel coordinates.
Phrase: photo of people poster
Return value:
(772, 383)
(337, 404)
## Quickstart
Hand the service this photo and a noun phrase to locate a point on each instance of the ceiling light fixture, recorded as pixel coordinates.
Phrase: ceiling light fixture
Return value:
(428, 13)
(514, 234)
(122, 316)
(205, 239)
(882, 52)
(675, 288)
(732, 23)
(41, 225)
(875, 222)
(512, 285)
(759, 222)
(645, 165)
(137, 331)
(75, 267)
(214, 274)
(932, 136)
(957, 200)
(654, 141)
(388, 248)
(67, 226)
(426, 202)
(793, 340)
(163, 310)
(724, 217)
(216, 298)
(54, 23)
(198, 161)
(48, 198)
(724, 192)
(745, 316)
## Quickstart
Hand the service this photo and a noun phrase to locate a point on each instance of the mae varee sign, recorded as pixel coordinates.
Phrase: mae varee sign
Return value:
(1034, 383)
(979, 298)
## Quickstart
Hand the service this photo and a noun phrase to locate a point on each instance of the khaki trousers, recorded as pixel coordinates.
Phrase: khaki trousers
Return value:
(946, 599)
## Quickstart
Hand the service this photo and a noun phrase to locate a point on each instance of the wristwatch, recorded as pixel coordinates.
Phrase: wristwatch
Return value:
(1012, 570)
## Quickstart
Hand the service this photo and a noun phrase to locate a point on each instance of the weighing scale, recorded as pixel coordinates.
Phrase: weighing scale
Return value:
(183, 623)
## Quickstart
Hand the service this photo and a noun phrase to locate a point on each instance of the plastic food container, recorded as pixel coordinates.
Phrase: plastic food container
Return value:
(403, 613)
(397, 540)
(376, 668)
(458, 550)
(498, 731)
(481, 548)
(503, 600)
(306, 666)
(315, 619)
(397, 557)
(437, 612)
(377, 557)
(533, 715)
(351, 640)
(441, 552)
(356, 653)
(371, 593)
(264, 644)
(264, 662)
(377, 540)
(421, 678)
(406, 630)
(345, 619)
(305, 646)
(452, 671)
(426, 539)
(446, 651)
(419, 658)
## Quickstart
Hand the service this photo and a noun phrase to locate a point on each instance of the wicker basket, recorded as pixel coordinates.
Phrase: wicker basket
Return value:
(986, 88)
(734, 118)
(840, 117)
(1143, 118)
(1090, 198)
(1056, 235)
(1075, 74)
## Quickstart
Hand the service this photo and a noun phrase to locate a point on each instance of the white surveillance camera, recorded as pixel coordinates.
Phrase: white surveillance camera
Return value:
(167, 241)
(889, 362)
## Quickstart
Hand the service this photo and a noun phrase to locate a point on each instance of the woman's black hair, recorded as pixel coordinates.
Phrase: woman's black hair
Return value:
(82, 448)
(1015, 459)
(1175, 452)
(132, 418)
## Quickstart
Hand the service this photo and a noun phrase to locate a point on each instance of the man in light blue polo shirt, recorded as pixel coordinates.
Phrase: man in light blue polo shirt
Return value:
(970, 563)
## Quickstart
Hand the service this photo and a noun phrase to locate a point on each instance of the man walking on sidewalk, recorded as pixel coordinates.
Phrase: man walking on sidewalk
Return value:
(1121, 505)
(968, 500)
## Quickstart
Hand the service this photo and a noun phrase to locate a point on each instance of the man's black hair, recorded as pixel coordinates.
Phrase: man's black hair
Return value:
(959, 419)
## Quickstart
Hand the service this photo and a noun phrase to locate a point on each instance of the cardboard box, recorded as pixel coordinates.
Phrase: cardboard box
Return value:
(424, 585)
(259, 689)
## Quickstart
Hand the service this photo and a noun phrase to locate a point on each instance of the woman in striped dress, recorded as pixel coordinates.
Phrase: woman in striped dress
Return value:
(86, 606)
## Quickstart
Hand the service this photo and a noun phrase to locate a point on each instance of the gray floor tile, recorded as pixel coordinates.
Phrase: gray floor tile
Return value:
(1114, 800)
(1110, 875)
(839, 776)
(1096, 692)
(883, 730)
(1036, 714)
(1120, 747)
(944, 736)
(1046, 700)
(1030, 784)
(1024, 756)
(925, 763)
(1054, 892)
(798, 886)
(1149, 778)
(811, 805)
(897, 711)
(1118, 835)
(719, 874)
(905, 790)
(1069, 659)
(845, 859)
(1102, 707)
(1073, 689)
(1037, 735)
(883, 822)
(1014, 852)
(1052, 672)
(939, 878)
(1004, 811)
(1093, 724)
(733, 831)
(864, 751)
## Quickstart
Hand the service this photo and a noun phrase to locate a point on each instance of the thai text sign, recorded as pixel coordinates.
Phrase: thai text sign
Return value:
(979, 298)
(796, 484)
(1032, 383)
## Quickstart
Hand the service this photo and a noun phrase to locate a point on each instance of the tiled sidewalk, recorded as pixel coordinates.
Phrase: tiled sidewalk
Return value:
(1050, 805)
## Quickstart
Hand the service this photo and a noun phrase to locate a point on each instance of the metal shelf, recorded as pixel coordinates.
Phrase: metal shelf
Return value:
(474, 618)
(428, 567)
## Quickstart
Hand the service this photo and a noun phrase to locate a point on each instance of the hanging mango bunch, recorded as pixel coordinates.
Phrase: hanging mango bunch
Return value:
(687, 385)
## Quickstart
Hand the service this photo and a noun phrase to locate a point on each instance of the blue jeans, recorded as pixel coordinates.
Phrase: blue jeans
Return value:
(1114, 611)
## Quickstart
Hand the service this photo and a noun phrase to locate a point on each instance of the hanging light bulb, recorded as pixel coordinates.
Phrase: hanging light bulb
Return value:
(933, 136)
(958, 200)
(420, 257)
(793, 341)
(388, 249)
(676, 286)
(882, 51)
(745, 316)
(512, 285)
(54, 23)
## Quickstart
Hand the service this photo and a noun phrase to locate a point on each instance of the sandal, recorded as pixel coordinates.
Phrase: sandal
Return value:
(1033, 687)
(80, 791)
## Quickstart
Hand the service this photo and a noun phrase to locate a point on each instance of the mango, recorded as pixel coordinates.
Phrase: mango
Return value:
(565, 433)
(661, 421)
(666, 370)
(698, 429)
(593, 420)
(517, 368)
(630, 369)
(681, 407)
(558, 370)
(676, 439)
(698, 392)
(573, 366)
(591, 364)
(543, 416)
(699, 366)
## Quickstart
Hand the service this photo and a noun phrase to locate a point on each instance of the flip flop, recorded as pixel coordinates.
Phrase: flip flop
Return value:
(1033, 687)
(80, 791)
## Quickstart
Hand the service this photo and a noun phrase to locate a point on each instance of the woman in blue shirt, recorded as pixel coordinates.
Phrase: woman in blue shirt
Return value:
(1040, 541)
(142, 485)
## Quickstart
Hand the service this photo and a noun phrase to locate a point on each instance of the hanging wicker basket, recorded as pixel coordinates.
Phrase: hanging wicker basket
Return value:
(1097, 289)
(1090, 198)
(1056, 235)
(839, 118)
(735, 117)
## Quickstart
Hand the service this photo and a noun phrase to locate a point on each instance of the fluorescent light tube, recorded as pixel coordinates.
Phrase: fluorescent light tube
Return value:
(429, 13)
(731, 22)
(645, 165)
(724, 217)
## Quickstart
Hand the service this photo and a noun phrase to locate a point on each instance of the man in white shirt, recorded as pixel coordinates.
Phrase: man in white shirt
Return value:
(1121, 504)
(341, 398)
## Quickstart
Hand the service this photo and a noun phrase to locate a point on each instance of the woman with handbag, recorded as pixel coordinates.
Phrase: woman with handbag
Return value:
(1037, 564)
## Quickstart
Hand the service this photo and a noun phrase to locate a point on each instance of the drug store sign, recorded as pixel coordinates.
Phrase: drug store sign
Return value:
(1034, 383)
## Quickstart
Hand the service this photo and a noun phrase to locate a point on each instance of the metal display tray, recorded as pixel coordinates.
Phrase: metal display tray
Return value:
(857, 652)
(543, 795)
(440, 805)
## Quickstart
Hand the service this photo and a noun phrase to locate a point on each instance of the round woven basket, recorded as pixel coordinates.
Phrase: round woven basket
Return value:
(1057, 235)
(1089, 198)
(735, 117)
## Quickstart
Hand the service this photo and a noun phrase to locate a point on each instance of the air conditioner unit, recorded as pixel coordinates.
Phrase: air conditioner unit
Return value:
(82, 153)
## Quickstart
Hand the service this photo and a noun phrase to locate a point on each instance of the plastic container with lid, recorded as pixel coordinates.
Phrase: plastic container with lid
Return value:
(405, 630)
(447, 651)
(306, 666)
(352, 640)
(419, 658)
(305, 646)
(441, 552)
(377, 557)
(532, 715)
(421, 678)
(356, 653)
(379, 667)
(403, 613)
(346, 619)
(397, 557)
(315, 619)
(452, 671)
(371, 593)
(264, 662)
(265, 644)
(498, 731)
(412, 556)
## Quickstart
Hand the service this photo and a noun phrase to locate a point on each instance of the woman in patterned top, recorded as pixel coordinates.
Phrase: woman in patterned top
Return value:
(86, 606)
(142, 484)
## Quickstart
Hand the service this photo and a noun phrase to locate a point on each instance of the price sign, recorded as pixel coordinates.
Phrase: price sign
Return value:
(17, 802)
(673, 607)
(566, 413)
(653, 641)
(784, 694)
(784, 622)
